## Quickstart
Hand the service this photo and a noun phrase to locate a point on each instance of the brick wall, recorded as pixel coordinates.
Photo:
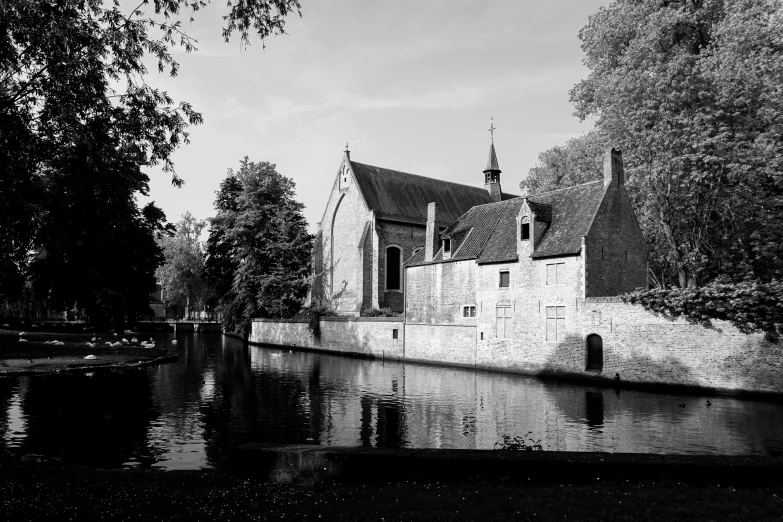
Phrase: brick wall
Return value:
(643, 347)
(616, 251)
(405, 236)
(367, 336)
(436, 293)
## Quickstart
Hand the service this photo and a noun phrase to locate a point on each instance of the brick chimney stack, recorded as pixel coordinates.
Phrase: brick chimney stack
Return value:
(614, 174)
(431, 241)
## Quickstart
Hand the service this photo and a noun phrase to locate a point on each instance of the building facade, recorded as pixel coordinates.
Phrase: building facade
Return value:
(375, 219)
(506, 283)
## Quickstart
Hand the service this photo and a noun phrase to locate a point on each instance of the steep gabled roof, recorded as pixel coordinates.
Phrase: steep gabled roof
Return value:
(401, 196)
(573, 210)
(488, 233)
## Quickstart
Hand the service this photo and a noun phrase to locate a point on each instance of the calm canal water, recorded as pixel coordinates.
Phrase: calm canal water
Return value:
(185, 415)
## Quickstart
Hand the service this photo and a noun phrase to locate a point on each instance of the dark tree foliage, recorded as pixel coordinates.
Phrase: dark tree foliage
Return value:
(259, 239)
(221, 260)
(580, 160)
(690, 91)
(78, 122)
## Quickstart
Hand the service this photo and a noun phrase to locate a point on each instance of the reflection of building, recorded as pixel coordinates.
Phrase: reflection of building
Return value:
(156, 303)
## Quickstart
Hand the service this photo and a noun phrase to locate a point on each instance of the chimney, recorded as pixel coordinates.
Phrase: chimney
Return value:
(614, 174)
(431, 241)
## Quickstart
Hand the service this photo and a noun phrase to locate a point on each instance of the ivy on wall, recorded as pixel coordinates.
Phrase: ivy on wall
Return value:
(751, 306)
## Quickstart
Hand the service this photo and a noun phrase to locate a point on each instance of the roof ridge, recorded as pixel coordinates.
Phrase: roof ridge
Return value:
(564, 188)
(420, 176)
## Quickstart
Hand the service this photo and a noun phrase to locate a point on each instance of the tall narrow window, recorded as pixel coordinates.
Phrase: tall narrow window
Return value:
(503, 321)
(555, 323)
(447, 246)
(504, 279)
(393, 268)
(555, 274)
(525, 231)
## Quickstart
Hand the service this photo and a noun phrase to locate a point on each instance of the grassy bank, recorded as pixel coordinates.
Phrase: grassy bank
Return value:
(40, 491)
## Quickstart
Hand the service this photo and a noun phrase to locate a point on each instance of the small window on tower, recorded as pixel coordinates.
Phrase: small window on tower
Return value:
(525, 231)
(446, 246)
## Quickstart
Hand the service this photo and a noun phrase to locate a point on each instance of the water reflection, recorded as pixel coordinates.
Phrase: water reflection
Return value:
(185, 415)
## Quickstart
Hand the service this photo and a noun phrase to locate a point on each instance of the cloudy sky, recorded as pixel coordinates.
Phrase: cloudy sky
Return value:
(409, 85)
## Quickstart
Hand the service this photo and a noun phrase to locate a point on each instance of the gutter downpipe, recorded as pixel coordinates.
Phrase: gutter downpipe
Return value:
(404, 308)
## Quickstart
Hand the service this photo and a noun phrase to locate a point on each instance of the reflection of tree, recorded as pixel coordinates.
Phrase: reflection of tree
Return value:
(100, 421)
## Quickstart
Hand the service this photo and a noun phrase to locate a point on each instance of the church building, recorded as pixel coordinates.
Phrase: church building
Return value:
(375, 219)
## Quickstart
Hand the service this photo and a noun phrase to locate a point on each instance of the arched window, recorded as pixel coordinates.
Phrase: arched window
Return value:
(595, 352)
(393, 268)
(524, 228)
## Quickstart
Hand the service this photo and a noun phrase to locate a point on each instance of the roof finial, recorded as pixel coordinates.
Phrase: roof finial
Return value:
(347, 152)
(492, 129)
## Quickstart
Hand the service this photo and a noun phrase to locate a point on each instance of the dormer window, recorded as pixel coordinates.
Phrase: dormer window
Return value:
(447, 246)
(525, 235)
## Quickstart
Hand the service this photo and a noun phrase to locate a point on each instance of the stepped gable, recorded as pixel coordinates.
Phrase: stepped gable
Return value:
(572, 212)
(400, 196)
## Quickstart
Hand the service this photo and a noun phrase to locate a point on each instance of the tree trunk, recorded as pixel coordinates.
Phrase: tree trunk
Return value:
(682, 273)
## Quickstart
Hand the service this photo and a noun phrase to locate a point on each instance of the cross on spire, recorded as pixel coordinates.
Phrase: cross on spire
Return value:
(492, 129)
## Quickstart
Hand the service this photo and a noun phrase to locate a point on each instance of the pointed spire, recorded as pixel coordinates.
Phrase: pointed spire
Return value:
(492, 160)
(492, 170)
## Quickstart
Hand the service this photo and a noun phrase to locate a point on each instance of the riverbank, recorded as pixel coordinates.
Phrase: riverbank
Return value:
(46, 352)
(31, 491)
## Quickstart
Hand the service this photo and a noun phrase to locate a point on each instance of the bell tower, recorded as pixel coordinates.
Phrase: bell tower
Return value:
(492, 170)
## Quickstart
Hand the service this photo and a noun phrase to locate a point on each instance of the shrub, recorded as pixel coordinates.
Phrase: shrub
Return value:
(518, 443)
(751, 306)
(383, 312)
(314, 314)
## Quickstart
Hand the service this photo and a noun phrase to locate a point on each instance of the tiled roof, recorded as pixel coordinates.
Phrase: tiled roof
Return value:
(573, 209)
(402, 196)
(488, 233)
(485, 232)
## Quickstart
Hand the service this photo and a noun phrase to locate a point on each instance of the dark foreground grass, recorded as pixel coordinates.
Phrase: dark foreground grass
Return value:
(44, 492)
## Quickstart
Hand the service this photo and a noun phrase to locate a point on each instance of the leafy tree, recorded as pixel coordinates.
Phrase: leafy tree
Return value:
(690, 90)
(94, 247)
(221, 258)
(261, 234)
(74, 101)
(182, 274)
(578, 161)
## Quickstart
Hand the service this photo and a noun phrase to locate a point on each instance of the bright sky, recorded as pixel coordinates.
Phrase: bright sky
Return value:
(410, 85)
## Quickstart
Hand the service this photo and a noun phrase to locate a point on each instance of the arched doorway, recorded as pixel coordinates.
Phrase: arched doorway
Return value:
(595, 352)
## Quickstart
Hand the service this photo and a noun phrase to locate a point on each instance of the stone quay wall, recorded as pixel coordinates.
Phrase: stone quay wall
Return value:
(380, 337)
(639, 346)
(647, 348)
